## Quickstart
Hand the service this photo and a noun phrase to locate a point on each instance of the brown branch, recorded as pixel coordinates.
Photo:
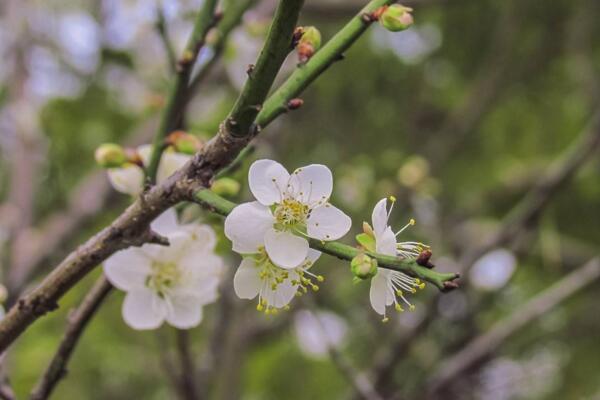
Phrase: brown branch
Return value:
(77, 323)
(485, 344)
(187, 380)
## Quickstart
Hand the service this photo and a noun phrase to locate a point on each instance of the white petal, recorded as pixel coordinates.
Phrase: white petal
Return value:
(169, 163)
(246, 281)
(281, 296)
(328, 223)
(313, 255)
(128, 180)
(386, 242)
(246, 226)
(285, 249)
(379, 292)
(145, 151)
(312, 184)
(203, 235)
(128, 269)
(143, 309)
(380, 216)
(166, 223)
(184, 312)
(199, 266)
(267, 180)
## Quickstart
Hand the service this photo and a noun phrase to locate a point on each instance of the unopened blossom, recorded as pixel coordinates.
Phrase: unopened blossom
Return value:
(289, 209)
(129, 178)
(389, 287)
(275, 287)
(168, 283)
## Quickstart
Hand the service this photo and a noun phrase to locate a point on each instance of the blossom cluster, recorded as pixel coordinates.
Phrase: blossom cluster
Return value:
(272, 234)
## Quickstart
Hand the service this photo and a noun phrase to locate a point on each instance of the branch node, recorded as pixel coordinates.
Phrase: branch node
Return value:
(294, 104)
(250, 69)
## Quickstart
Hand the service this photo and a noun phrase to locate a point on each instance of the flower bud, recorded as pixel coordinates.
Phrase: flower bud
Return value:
(309, 43)
(396, 18)
(110, 155)
(3, 293)
(363, 266)
(184, 143)
(226, 187)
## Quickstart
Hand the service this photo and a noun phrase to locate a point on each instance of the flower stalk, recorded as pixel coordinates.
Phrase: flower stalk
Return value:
(442, 281)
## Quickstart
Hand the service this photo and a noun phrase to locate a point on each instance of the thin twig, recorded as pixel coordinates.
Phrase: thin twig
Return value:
(77, 323)
(483, 345)
(170, 117)
(163, 33)
(187, 372)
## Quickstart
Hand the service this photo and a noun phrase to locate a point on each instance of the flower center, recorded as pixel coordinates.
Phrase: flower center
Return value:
(272, 276)
(291, 213)
(164, 276)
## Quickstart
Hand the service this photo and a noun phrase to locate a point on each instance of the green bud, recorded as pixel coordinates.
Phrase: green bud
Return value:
(363, 266)
(110, 155)
(367, 241)
(3, 293)
(184, 143)
(309, 43)
(226, 187)
(312, 36)
(396, 18)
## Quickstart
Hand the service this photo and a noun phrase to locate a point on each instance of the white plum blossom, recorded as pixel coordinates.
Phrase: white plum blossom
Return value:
(317, 332)
(168, 283)
(275, 287)
(289, 208)
(129, 179)
(388, 287)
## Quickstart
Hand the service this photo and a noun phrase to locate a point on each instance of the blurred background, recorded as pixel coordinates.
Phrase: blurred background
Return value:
(482, 119)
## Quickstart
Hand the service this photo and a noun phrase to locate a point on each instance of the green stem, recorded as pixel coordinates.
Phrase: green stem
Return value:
(173, 109)
(304, 75)
(260, 78)
(219, 205)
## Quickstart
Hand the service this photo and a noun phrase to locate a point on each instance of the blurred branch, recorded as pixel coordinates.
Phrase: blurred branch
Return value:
(509, 231)
(204, 22)
(187, 372)
(232, 17)
(485, 344)
(163, 33)
(219, 205)
(561, 171)
(77, 322)
(131, 228)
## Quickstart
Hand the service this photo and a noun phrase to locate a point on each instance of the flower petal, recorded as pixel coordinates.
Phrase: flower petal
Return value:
(268, 180)
(143, 309)
(380, 216)
(328, 223)
(246, 226)
(169, 163)
(204, 236)
(312, 184)
(284, 293)
(285, 249)
(386, 242)
(145, 151)
(166, 223)
(313, 256)
(246, 281)
(379, 292)
(128, 269)
(185, 311)
(128, 179)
